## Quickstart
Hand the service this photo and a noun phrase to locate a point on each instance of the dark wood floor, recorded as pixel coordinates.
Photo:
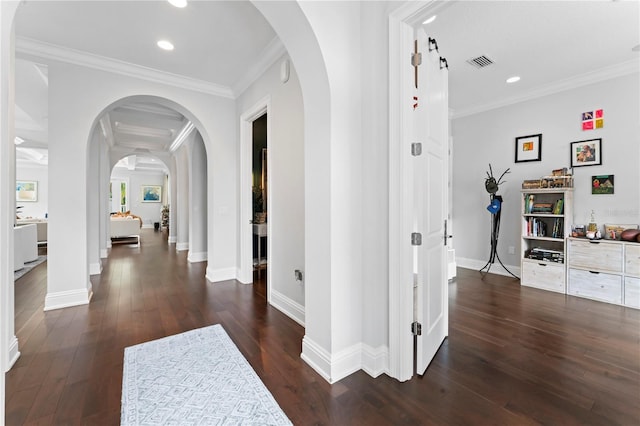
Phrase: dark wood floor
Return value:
(514, 356)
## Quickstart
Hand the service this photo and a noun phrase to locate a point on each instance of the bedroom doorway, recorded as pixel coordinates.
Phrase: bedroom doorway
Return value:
(259, 190)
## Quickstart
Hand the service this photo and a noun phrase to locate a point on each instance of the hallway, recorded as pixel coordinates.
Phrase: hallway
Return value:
(514, 355)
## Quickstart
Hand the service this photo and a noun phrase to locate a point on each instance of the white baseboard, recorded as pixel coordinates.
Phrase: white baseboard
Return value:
(317, 358)
(65, 299)
(333, 368)
(104, 253)
(375, 361)
(182, 246)
(346, 362)
(451, 264)
(172, 239)
(197, 257)
(147, 225)
(244, 278)
(224, 274)
(109, 243)
(496, 268)
(14, 353)
(95, 268)
(287, 306)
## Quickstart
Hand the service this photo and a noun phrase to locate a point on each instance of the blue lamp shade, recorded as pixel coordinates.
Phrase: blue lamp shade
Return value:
(494, 207)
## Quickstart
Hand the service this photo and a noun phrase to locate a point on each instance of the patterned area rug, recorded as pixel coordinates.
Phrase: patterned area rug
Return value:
(194, 378)
(27, 267)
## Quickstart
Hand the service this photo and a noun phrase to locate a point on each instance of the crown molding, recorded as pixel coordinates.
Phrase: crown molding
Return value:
(26, 46)
(269, 55)
(602, 74)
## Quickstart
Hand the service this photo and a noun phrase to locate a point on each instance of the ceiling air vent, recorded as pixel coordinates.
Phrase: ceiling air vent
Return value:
(480, 61)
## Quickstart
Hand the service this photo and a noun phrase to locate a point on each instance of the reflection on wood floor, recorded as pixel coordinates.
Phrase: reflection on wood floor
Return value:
(514, 356)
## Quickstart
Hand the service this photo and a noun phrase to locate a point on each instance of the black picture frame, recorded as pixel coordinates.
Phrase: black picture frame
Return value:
(529, 148)
(587, 152)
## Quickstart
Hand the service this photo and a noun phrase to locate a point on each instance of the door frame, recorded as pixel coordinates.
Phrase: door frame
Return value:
(402, 23)
(245, 271)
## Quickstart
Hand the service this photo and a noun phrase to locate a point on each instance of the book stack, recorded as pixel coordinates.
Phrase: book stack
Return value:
(536, 227)
(546, 255)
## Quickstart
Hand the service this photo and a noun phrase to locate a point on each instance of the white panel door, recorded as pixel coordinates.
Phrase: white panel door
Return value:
(430, 208)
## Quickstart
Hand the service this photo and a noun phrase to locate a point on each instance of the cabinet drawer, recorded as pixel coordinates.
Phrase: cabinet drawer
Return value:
(632, 260)
(632, 292)
(598, 286)
(600, 256)
(547, 276)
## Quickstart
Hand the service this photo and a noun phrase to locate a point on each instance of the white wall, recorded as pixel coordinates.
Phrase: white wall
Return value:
(149, 212)
(489, 137)
(286, 184)
(76, 100)
(38, 173)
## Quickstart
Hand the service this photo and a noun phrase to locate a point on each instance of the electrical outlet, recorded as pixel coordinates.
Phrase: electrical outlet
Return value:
(298, 274)
(512, 250)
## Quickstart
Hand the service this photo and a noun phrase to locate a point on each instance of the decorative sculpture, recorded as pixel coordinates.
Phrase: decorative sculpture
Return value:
(495, 206)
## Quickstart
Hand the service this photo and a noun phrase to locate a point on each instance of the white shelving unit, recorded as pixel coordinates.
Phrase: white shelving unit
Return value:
(543, 246)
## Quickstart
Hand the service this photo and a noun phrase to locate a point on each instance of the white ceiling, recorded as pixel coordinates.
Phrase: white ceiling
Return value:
(220, 46)
(551, 45)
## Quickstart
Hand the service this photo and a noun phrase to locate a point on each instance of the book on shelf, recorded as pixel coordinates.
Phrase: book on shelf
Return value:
(558, 206)
(536, 227)
(546, 255)
(542, 208)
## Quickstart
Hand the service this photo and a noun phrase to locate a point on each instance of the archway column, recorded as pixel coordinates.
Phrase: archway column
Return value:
(173, 201)
(67, 265)
(182, 199)
(8, 342)
(198, 199)
(324, 42)
(93, 204)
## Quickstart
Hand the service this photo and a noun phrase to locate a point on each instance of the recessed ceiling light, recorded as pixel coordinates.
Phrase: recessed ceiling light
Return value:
(513, 79)
(166, 45)
(430, 20)
(178, 3)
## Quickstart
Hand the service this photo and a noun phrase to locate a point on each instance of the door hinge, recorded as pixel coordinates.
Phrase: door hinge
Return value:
(416, 59)
(416, 328)
(416, 149)
(416, 239)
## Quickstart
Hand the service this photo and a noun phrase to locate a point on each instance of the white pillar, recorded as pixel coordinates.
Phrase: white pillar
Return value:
(182, 210)
(198, 199)
(105, 204)
(173, 201)
(69, 130)
(8, 342)
(93, 205)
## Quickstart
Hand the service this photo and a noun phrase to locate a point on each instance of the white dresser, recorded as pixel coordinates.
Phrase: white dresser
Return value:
(604, 270)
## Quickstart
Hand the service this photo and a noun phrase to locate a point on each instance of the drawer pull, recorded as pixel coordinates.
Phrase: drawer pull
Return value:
(594, 242)
(594, 272)
(542, 264)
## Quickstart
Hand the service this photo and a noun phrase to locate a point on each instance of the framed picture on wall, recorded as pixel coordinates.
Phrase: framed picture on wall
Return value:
(151, 193)
(26, 190)
(586, 153)
(529, 148)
